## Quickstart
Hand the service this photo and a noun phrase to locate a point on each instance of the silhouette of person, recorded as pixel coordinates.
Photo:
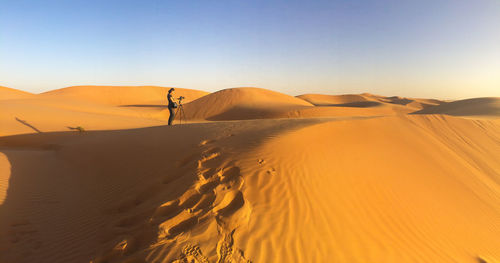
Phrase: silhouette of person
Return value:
(171, 106)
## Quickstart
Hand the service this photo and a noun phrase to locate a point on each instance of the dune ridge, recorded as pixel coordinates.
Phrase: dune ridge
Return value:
(9, 93)
(123, 95)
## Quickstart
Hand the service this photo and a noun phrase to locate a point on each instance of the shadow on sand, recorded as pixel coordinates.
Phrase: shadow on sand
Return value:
(29, 125)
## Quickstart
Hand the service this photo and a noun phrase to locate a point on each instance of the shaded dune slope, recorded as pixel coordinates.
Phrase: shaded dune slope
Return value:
(394, 189)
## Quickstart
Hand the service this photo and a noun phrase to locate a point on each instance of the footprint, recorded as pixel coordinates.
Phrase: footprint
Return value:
(229, 174)
(205, 142)
(232, 201)
(271, 171)
(167, 210)
(208, 160)
(225, 248)
(123, 247)
(206, 173)
(191, 254)
(206, 201)
(189, 198)
(206, 186)
(178, 224)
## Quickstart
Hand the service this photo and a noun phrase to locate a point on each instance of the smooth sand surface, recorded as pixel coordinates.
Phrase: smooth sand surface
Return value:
(302, 183)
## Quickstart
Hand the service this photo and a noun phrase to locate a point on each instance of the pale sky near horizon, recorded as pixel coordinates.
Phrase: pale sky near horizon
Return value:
(446, 49)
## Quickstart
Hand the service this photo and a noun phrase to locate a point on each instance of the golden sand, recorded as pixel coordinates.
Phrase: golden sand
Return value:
(255, 176)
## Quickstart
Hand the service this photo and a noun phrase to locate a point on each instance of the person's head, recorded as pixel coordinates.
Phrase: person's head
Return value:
(171, 90)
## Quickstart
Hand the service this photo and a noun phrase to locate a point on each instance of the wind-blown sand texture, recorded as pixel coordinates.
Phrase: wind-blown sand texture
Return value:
(288, 179)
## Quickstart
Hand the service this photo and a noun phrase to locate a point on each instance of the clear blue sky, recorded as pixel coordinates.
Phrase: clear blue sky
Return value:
(429, 48)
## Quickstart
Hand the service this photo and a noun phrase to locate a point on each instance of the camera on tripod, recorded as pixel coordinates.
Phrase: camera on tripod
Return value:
(180, 110)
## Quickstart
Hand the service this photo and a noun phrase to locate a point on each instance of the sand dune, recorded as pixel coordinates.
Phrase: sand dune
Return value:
(242, 103)
(485, 107)
(296, 190)
(123, 95)
(8, 93)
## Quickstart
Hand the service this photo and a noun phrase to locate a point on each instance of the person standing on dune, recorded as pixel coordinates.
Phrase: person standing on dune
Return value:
(171, 106)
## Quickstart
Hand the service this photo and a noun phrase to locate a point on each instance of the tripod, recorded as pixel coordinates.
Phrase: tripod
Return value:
(180, 111)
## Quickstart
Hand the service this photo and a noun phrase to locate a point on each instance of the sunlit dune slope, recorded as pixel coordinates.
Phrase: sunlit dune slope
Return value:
(419, 188)
(423, 189)
(123, 95)
(242, 103)
(482, 107)
(8, 93)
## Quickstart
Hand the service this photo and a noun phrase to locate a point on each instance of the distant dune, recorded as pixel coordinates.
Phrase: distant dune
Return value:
(8, 93)
(367, 100)
(242, 103)
(123, 95)
(350, 100)
(486, 107)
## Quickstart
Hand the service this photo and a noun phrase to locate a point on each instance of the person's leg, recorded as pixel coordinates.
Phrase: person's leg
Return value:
(171, 117)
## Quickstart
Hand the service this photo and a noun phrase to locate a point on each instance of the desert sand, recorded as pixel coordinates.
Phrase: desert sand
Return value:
(254, 176)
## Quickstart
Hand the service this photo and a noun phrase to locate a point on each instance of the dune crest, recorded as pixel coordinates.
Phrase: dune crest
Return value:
(9, 93)
(122, 95)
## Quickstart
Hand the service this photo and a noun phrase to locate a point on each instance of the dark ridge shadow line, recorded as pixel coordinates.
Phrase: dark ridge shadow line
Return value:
(27, 124)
